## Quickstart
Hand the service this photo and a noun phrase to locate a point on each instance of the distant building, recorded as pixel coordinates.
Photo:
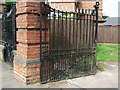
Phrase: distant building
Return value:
(72, 5)
(66, 5)
(112, 21)
(109, 32)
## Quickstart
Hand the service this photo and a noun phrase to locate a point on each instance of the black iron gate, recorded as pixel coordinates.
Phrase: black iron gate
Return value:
(68, 43)
(9, 34)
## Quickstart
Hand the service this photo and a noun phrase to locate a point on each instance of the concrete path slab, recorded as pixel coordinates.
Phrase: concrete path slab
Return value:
(105, 79)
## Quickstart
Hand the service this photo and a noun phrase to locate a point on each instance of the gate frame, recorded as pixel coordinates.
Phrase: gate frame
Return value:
(96, 6)
(26, 64)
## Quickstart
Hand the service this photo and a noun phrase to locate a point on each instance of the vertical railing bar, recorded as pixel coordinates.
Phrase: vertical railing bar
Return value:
(84, 30)
(65, 31)
(44, 36)
(48, 23)
(73, 29)
(77, 30)
(90, 32)
(49, 46)
(63, 42)
(58, 31)
(81, 17)
(93, 32)
(62, 30)
(41, 43)
(58, 45)
(93, 25)
(54, 17)
(54, 37)
(70, 31)
(88, 28)
(87, 32)
(45, 43)
(14, 26)
(84, 38)
(89, 39)
(66, 40)
(76, 37)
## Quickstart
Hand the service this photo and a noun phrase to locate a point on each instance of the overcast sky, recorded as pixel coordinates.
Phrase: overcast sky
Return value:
(110, 8)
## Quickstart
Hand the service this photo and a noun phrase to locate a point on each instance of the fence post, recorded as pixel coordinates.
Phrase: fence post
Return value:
(27, 59)
(14, 25)
(96, 6)
(96, 27)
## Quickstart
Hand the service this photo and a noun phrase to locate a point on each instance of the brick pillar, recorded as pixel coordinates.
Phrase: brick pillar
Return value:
(27, 59)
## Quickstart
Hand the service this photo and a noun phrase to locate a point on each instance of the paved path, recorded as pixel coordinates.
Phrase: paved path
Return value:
(105, 79)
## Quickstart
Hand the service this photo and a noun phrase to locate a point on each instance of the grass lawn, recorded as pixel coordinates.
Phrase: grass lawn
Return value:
(107, 52)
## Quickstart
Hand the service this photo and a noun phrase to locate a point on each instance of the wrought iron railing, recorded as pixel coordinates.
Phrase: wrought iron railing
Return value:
(9, 34)
(68, 43)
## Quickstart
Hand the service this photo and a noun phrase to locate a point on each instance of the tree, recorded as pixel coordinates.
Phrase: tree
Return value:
(104, 17)
(9, 4)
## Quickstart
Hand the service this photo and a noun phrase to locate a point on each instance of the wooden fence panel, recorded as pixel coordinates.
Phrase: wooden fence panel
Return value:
(108, 34)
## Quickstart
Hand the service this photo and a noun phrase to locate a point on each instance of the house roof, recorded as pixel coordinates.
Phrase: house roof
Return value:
(112, 21)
